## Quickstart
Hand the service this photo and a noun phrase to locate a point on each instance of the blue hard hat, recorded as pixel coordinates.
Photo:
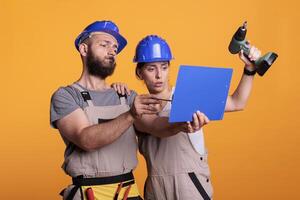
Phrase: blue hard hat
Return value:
(152, 49)
(102, 26)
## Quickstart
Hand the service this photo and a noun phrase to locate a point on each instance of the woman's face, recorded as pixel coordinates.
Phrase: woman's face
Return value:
(155, 76)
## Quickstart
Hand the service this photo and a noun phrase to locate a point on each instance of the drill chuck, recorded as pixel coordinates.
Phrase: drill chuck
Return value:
(238, 39)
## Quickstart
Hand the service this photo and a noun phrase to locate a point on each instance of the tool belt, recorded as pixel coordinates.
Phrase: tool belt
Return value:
(106, 188)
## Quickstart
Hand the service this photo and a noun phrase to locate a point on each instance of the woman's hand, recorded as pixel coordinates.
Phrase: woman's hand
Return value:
(199, 120)
(254, 54)
(121, 88)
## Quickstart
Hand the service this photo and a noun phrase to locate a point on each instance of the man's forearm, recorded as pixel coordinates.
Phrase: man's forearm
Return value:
(159, 127)
(99, 135)
(162, 127)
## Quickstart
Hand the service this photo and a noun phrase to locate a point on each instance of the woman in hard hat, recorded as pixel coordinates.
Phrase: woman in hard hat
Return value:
(177, 165)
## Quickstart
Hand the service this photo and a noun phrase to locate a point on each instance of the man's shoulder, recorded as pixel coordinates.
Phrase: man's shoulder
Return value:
(133, 92)
(66, 96)
(64, 100)
(65, 91)
(131, 97)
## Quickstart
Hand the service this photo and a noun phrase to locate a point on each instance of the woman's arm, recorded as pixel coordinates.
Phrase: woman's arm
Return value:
(238, 100)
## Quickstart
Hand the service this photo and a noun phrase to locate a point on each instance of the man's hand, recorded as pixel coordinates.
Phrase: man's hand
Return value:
(145, 104)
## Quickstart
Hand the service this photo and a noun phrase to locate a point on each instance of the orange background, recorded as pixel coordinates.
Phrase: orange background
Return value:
(253, 154)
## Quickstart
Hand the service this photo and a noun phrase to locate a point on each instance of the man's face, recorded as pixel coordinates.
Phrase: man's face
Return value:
(100, 57)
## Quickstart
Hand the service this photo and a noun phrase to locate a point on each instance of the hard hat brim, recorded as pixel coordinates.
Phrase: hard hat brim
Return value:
(122, 42)
(141, 60)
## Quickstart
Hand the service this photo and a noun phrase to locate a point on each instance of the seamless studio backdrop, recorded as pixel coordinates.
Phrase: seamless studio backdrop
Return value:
(253, 154)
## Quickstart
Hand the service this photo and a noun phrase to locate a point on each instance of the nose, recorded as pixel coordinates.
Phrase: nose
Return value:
(158, 73)
(112, 51)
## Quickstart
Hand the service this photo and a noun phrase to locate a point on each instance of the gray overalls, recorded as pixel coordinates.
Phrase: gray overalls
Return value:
(115, 159)
(175, 169)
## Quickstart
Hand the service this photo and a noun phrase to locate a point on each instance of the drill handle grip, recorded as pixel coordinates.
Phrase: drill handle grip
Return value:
(246, 50)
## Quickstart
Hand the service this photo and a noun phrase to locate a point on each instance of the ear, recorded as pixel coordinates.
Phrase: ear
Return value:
(83, 49)
(139, 74)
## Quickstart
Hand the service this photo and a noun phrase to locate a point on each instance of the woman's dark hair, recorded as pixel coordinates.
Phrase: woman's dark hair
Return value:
(139, 66)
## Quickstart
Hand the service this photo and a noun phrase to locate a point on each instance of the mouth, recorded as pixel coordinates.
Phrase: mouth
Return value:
(110, 59)
(158, 84)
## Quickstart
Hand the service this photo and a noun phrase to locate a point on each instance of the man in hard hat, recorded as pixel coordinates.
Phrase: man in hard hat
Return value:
(96, 123)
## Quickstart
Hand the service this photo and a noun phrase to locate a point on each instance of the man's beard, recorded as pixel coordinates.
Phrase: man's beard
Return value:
(98, 68)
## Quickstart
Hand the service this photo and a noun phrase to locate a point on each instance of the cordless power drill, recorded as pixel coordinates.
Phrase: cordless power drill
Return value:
(238, 43)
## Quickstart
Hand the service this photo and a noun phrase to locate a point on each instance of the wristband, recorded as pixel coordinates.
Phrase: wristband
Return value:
(248, 72)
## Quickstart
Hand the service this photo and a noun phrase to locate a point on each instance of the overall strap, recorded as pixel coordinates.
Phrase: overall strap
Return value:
(198, 185)
(122, 98)
(85, 94)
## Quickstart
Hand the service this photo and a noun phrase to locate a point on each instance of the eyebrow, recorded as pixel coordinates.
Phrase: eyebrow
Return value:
(153, 65)
(108, 42)
(150, 65)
